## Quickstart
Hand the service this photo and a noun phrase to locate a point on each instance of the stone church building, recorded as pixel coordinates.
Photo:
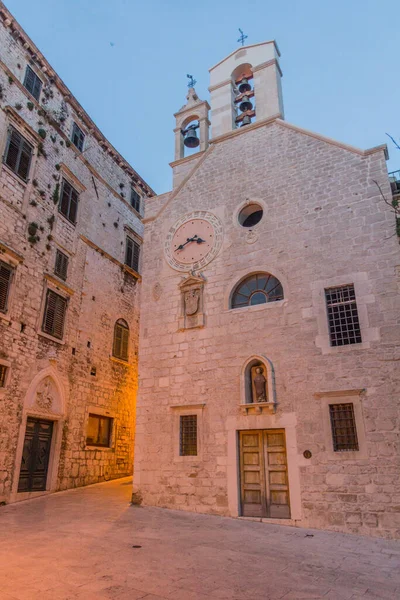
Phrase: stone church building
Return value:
(71, 228)
(269, 329)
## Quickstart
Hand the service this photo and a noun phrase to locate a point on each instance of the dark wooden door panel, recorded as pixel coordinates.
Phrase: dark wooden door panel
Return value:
(35, 456)
(252, 474)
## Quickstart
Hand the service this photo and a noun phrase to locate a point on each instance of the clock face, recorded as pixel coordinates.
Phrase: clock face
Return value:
(193, 241)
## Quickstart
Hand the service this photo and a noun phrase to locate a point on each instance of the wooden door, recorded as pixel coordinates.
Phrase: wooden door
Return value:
(263, 474)
(252, 474)
(35, 455)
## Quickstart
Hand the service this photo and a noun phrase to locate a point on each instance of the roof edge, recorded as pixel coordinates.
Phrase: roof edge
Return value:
(245, 48)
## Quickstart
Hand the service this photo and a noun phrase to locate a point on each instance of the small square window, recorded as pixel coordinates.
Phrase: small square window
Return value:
(68, 201)
(54, 314)
(3, 373)
(32, 83)
(135, 200)
(132, 254)
(18, 154)
(343, 321)
(188, 435)
(61, 265)
(6, 273)
(99, 431)
(77, 137)
(343, 423)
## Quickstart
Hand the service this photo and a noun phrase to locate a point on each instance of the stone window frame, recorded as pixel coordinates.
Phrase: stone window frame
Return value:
(234, 282)
(13, 259)
(82, 131)
(318, 310)
(7, 364)
(28, 68)
(55, 285)
(243, 205)
(355, 398)
(101, 411)
(179, 411)
(124, 325)
(135, 237)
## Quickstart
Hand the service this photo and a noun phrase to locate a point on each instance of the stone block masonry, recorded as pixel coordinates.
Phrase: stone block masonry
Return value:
(62, 379)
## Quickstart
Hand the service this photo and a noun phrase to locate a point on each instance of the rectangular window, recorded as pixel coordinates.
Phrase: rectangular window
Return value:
(3, 372)
(132, 254)
(54, 314)
(6, 273)
(68, 201)
(61, 266)
(343, 423)
(77, 137)
(18, 154)
(188, 435)
(99, 431)
(344, 325)
(135, 200)
(32, 83)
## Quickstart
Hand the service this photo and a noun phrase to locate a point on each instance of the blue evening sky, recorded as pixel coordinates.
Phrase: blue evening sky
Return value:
(340, 62)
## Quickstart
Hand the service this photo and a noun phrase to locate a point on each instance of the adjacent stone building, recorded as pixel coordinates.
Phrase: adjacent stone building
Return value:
(71, 230)
(269, 336)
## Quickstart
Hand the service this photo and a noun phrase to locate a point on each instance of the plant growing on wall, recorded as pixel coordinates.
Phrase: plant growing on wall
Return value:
(18, 106)
(41, 151)
(33, 238)
(56, 194)
(50, 221)
(42, 133)
(30, 105)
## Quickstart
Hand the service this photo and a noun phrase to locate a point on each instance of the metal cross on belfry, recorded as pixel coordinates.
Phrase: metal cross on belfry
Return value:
(192, 81)
(242, 37)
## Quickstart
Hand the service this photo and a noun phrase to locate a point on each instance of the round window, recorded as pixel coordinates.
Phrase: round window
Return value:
(250, 215)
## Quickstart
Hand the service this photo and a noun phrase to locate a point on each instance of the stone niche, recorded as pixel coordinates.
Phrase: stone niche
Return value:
(258, 386)
(192, 301)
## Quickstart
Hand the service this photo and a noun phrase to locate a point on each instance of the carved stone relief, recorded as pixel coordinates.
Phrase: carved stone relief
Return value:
(157, 291)
(45, 395)
(192, 313)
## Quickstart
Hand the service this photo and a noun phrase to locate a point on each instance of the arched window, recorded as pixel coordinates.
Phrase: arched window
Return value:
(121, 340)
(258, 288)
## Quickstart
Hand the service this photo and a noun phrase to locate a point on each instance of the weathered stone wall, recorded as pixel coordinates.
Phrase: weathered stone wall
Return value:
(98, 288)
(324, 224)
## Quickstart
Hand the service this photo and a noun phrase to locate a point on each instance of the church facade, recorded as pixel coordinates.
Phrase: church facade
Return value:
(269, 331)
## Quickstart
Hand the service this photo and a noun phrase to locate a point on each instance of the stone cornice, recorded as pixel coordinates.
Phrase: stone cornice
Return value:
(4, 249)
(20, 36)
(110, 258)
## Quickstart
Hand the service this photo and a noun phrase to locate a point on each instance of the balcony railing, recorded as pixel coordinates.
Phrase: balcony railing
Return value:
(394, 178)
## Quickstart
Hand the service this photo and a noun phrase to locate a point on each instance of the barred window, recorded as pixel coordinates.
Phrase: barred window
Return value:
(132, 254)
(135, 200)
(3, 373)
(54, 314)
(61, 265)
(18, 154)
(6, 273)
(99, 431)
(343, 423)
(77, 137)
(188, 435)
(258, 288)
(68, 201)
(344, 324)
(121, 340)
(32, 83)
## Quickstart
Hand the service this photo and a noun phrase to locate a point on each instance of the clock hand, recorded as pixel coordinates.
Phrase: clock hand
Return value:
(181, 246)
(200, 241)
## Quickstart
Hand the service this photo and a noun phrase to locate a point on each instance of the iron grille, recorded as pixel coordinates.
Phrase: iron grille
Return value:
(3, 371)
(344, 432)
(32, 83)
(61, 266)
(68, 201)
(77, 137)
(344, 324)
(18, 154)
(5, 283)
(132, 254)
(188, 435)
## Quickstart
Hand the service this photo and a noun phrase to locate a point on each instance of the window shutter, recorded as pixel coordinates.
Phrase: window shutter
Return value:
(121, 340)
(61, 266)
(73, 208)
(5, 281)
(29, 80)
(124, 343)
(136, 254)
(117, 341)
(24, 161)
(54, 316)
(64, 202)
(37, 86)
(129, 251)
(13, 150)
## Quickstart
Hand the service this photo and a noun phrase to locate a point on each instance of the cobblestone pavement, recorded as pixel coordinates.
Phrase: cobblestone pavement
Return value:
(91, 544)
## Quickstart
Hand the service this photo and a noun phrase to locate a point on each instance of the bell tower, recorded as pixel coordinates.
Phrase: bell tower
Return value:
(246, 87)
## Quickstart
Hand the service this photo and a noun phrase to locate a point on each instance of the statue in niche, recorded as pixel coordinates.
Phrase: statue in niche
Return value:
(44, 394)
(259, 384)
(192, 298)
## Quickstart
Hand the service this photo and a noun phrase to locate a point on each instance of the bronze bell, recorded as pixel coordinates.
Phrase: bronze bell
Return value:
(191, 140)
(246, 121)
(244, 86)
(245, 104)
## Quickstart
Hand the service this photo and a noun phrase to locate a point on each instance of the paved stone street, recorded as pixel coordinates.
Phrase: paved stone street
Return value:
(91, 544)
